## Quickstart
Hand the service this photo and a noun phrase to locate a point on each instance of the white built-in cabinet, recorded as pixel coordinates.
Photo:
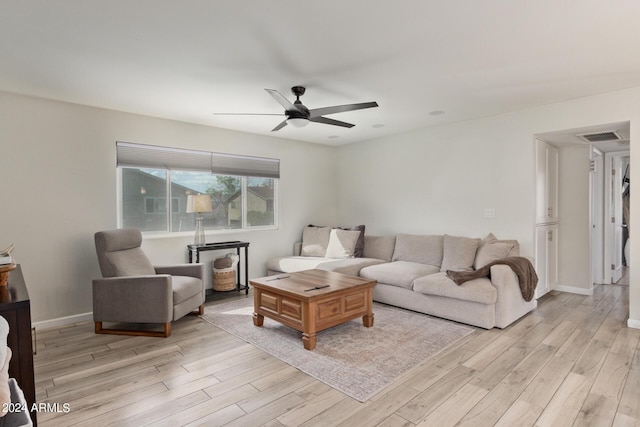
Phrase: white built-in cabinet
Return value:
(546, 228)
(546, 183)
(546, 258)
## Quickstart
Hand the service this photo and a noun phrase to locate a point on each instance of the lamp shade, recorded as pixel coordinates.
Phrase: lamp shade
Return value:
(199, 203)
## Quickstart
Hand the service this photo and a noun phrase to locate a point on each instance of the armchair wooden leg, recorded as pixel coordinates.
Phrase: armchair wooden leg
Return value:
(166, 331)
(199, 311)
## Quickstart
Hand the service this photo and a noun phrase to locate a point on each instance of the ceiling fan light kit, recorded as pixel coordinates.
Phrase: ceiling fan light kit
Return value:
(298, 115)
(297, 122)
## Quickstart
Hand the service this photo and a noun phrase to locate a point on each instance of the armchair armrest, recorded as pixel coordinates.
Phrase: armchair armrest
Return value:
(191, 270)
(297, 248)
(133, 299)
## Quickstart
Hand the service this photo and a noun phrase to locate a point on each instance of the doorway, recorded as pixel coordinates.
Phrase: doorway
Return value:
(591, 244)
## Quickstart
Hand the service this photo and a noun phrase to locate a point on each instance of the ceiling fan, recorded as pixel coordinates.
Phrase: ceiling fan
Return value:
(298, 115)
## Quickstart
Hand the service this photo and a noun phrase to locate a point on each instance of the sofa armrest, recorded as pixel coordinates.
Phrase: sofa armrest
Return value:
(191, 270)
(133, 299)
(297, 248)
(510, 305)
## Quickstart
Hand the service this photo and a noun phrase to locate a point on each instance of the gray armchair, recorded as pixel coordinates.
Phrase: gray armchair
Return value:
(134, 291)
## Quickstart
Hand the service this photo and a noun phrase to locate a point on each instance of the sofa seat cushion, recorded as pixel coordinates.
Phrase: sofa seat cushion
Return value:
(185, 287)
(398, 273)
(291, 264)
(477, 290)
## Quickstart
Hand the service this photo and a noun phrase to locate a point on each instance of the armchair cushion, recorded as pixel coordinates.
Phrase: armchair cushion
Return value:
(129, 262)
(184, 287)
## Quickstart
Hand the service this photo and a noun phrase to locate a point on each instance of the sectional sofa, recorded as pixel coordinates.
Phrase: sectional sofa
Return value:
(411, 271)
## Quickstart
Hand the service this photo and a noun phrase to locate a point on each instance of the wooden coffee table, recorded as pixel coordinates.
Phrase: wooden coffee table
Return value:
(312, 300)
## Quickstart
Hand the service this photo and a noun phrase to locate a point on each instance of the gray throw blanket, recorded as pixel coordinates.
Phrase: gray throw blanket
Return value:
(523, 268)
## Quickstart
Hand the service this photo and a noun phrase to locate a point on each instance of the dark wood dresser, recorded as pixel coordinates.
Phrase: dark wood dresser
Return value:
(16, 308)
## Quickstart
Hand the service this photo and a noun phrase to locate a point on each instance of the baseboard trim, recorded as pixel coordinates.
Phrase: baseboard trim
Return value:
(633, 323)
(573, 290)
(63, 321)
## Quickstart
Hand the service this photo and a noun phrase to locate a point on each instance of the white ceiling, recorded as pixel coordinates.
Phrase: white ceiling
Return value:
(186, 59)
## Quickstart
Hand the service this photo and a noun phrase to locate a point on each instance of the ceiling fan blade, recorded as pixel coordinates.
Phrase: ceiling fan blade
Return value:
(328, 121)
(247, 114)
(315, 112)
(280, 126)
(288, 106)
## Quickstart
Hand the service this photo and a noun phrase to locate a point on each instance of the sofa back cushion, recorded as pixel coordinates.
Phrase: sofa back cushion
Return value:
(379, 247)
(425, 249)
(459, 253)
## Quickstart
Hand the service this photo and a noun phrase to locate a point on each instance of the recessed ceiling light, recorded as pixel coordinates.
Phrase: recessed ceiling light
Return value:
(436, 113)
(377, 126)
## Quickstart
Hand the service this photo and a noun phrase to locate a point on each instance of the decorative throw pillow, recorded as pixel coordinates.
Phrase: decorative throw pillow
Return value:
(359, 252)
(315, 241)
(342, 243)
(490, 252)
(459, 253)
(416, 248)
(488, 239)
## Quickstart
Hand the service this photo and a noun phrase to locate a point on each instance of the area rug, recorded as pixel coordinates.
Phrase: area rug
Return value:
(355, 360)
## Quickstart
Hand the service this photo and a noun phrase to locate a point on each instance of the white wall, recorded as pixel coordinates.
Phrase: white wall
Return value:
(432, 180)
(58, 187)
(574, 254)
(440, 179)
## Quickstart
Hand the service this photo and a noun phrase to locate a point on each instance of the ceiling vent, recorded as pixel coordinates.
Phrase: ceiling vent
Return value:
(610, 135)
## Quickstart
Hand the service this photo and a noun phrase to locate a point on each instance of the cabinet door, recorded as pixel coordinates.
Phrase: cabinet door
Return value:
(552, 256)
(547, 158)
(552, 154)
(541, 261)
(546, 261)
(541, 182)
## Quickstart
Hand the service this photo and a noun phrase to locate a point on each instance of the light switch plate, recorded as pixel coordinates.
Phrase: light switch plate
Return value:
(489, 213)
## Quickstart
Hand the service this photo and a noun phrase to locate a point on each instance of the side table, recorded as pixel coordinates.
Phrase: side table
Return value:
(236, 244)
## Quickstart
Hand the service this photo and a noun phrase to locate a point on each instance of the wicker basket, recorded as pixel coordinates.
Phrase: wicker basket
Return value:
(224, 279)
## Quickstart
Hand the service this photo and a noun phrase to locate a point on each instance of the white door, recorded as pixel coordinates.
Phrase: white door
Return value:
(616, 219)
(597, 219)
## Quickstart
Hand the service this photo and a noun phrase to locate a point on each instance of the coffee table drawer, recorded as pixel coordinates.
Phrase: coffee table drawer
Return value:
(281, 307)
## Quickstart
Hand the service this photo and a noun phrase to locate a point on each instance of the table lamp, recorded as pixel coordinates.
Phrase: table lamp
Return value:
(198, 204)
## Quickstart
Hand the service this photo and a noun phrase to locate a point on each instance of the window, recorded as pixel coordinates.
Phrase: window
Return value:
(242, 198)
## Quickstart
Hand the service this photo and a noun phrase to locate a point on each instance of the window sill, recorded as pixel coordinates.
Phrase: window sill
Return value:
(152, 235)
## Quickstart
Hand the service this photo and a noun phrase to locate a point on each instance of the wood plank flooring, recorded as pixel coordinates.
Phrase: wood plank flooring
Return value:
(572, 361)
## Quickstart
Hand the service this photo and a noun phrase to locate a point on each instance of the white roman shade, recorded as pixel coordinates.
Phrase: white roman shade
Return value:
(151, 156)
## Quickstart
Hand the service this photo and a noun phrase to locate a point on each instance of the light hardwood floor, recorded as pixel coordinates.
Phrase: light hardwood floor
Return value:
(572, 361)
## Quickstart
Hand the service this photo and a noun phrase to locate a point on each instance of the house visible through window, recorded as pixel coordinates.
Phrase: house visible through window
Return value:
(239, 201)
